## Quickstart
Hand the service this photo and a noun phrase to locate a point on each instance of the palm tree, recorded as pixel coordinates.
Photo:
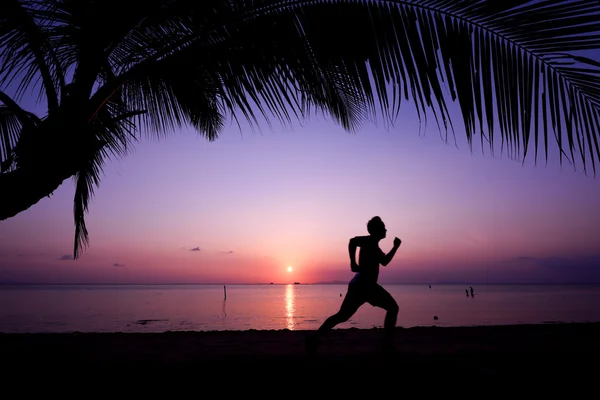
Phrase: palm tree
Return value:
(110, 71)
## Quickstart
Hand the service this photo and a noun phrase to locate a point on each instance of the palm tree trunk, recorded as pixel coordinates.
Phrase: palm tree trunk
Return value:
(22, 188)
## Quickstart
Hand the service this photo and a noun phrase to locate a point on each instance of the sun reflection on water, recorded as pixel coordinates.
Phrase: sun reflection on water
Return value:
(290, 295)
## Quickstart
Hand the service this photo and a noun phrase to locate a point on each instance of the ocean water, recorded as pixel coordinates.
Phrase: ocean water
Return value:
(156, 308)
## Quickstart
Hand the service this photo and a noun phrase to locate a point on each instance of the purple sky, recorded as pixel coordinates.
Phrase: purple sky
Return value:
(244, 208)
(251, 204)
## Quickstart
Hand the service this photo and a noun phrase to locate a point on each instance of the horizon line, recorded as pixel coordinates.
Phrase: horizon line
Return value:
(8, 283)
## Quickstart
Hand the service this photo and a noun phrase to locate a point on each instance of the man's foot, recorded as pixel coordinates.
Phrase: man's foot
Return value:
(312, 342)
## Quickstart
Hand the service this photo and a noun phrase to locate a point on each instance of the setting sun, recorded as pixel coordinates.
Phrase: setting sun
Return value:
(289, 269)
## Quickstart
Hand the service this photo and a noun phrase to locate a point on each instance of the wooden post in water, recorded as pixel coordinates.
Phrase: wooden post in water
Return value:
(225, 292)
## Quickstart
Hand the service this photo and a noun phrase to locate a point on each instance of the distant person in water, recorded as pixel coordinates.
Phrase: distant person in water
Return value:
(363, 288)
(472, 294)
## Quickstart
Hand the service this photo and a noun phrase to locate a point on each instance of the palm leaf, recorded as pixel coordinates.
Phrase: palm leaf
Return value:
(86, 179)
(26, 51)
(12, 120)
(504, 62)
(241, 69)
(114, 131)
(9, 133)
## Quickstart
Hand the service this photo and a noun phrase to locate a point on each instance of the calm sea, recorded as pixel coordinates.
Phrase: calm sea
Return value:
(154, 308)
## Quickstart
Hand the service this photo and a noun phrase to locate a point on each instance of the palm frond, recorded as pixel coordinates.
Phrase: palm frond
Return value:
(258, 67)
(26, 51)
(86, 179)
(503, 62)
(114, 127)
(12, 120)
(113, 133)
(9, 133)
(25, 117)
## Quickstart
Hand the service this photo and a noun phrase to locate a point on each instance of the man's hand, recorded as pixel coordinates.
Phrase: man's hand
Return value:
(397, 242)
(354, 267)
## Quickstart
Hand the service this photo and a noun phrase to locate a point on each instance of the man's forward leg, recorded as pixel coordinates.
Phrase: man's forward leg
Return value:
(379, 297)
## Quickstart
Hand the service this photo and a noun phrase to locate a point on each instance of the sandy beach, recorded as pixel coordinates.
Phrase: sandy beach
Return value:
(240, 362)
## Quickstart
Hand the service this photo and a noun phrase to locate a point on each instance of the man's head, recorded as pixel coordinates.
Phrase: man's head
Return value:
(376, 228)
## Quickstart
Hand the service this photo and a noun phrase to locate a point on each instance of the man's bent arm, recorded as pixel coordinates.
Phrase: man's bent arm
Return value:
(388, 257)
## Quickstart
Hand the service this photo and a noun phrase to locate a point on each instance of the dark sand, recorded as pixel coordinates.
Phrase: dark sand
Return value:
(475, 361)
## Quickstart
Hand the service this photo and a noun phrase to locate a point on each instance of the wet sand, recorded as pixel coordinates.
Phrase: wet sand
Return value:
(542, 358)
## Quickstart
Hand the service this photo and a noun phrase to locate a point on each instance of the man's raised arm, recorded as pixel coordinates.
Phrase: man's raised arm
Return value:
(388, 257)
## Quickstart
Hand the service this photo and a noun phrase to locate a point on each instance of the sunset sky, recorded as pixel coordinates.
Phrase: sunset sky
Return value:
(244, 208)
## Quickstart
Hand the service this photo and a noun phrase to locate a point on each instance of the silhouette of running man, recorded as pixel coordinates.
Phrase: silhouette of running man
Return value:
(363, 288)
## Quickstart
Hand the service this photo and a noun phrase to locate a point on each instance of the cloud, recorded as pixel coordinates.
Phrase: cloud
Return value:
(195, 249)
(118, 265)
(66, 257)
